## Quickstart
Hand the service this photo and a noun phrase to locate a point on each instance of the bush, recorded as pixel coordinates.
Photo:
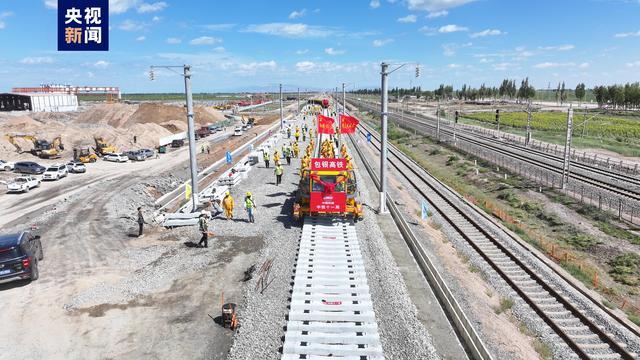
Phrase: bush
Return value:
(505, 304)
(452, 159)
(625, 269)
(581, 241)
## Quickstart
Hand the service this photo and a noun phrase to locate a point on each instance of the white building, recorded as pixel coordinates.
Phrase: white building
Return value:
(38, 102)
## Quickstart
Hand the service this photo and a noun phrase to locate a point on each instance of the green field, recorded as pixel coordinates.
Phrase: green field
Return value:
(620, 134)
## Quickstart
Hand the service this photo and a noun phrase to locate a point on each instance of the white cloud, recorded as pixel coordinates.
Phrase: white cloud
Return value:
(549, 65)
(305, 66)
(219, 27)
(451, 29)
(131, 25)
(332, 51)
(174, 40)
(381, 42)
(437, 14)
(454, 66)
(557, 48)
(435, 5)
(408, 19)
(121, 6)
(90, 75)
(37, 60)
(633, 64)
(302, 52)
(290, 30)
(503, 66)
(297, 14)
(2, 25)
(4, 14)
(141, 38)
(101, 64)
(205, 40)
(51, 4)
(450, 49)
(629, 34)
(374, 4)
(154, 7)
(584, 65)
(253, 67)
(219, 49)
(488, 32)
(429, 31)
(156, 18)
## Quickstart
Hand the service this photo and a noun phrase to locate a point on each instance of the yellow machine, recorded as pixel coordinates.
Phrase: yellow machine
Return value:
(102, 147)
(41, 148)
(84, 155)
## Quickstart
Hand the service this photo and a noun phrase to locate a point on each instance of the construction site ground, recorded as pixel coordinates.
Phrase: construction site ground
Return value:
(105, 293)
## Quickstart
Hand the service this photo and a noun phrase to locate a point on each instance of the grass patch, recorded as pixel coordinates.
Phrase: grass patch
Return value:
(609, 304)
(505, 304)
(625, 269)
(452, 160)
(581, 241)
(473, 268)
(542, 349)
(634, 319)
(577, 273)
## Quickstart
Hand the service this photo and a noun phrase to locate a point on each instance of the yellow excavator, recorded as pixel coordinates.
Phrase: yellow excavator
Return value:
(102, 147)
(41, 148)
(84, 155)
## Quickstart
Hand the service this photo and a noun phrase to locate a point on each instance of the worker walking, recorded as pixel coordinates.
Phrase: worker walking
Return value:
(203, 226)
(288, 133)
(250, 206)
(279, 171)
(228, 204)
(265, 157)
(287, 154)
(141, 221)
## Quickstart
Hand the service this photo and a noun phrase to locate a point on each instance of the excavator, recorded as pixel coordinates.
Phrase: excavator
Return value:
(41, 148)
(84, 155)
(102, 147)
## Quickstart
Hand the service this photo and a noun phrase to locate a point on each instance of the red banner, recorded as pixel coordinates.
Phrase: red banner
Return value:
(325, 125)
(348, 124)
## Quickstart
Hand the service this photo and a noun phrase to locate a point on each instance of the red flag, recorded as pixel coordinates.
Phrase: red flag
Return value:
(348, 124)
(325, 125)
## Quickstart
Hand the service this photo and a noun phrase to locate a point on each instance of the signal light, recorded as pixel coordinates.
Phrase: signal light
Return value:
(497, 115)
(457, 114)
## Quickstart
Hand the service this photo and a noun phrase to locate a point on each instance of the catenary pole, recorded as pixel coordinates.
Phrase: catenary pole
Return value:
(281, 111)
(383, 151)
(192, 137)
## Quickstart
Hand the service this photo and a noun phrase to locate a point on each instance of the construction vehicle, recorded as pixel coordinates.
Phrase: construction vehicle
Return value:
(84, 155)
(102, 147)
(41, 148)
(327, 188)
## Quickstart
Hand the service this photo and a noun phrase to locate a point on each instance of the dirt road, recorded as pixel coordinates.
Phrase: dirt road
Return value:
(104, 293)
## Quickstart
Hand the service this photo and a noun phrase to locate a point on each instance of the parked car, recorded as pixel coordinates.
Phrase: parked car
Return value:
(29, 167)
(23, 184)
(214, 128)
(76, 167)
(237, 131)
(177, 143)
(6, 165)
(55, 172)
(19, 256)
(136, 155)
(203, 132)
(116, 157)
(148, 153)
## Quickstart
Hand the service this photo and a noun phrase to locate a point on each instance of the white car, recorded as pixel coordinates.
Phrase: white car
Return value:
(55, 172)
(76, 167)
(6, 165)
(238, 131)
(23, 184)
(116, 157)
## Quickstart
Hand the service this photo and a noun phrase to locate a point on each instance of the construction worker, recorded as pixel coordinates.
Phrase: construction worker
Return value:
(265, 157)
(296, 150)
(203, 226)
(141, 221)
(203, 149)
(279, 171)
(228, 204)
(250, 206)
(289, 132)
(297, 133)
(304, 136)
(287, 154)
(276, 157)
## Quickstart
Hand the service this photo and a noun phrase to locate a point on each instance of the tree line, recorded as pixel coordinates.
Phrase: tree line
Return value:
(617, 96)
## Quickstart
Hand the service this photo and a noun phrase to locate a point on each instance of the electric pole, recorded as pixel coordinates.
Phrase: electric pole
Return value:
(498, 123)
(281, 111)
(527, 140)
(298, 100)
(567, 149)
(383, 145)
(438, 121)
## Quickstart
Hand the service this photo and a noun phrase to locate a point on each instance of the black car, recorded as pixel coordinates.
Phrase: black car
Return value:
(29, 167)
(19, 256)
(177, 143)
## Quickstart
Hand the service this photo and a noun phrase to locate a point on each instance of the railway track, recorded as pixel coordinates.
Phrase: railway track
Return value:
(551, 303)
(331, 313)
(621, 185)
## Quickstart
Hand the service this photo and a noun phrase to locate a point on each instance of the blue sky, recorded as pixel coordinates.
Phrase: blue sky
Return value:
(320, 44)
